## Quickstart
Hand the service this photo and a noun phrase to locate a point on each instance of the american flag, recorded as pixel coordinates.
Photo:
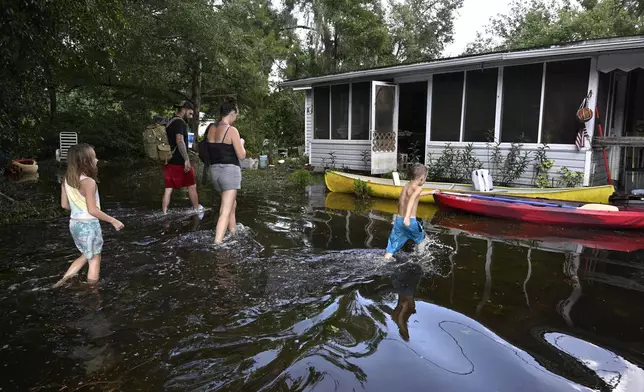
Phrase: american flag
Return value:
(582, 136)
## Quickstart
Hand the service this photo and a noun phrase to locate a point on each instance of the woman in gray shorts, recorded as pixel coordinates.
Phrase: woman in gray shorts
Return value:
(226, 148)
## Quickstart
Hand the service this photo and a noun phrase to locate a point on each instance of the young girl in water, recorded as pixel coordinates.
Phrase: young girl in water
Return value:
(79, 194)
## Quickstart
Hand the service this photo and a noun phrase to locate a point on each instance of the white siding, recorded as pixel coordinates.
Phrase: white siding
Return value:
(569, 157)
(308, 122)
(347, 153)
(598, 168)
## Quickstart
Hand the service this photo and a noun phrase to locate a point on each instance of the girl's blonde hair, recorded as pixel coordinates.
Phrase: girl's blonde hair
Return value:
(80, 160)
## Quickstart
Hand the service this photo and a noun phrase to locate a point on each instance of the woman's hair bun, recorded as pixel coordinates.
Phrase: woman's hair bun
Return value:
(228, 105)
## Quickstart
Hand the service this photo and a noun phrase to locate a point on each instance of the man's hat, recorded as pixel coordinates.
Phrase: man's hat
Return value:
(186, 104)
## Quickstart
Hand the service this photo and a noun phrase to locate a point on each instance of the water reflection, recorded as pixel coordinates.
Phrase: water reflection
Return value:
(405, 280)
(616, 372)
(571, 268)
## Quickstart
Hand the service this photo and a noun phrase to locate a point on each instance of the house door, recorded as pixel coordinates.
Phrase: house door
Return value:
(384, 127)
(615, 119)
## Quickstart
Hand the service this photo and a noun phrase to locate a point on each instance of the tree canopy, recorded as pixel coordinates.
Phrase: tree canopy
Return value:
(104, 68)
(548, 22)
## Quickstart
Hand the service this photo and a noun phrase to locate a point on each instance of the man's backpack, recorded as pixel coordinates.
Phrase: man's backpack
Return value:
(155, 141)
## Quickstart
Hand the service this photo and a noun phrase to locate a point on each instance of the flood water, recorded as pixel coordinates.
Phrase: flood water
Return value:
(301, 301)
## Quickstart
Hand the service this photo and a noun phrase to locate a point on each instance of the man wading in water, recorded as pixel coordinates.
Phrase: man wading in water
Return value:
(178, 172)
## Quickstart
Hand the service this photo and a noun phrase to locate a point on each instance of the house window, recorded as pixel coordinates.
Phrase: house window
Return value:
(566, 87)
(521, 103)
(447, 102)
(340, 112)
(480, 104)
(321, 120)
(360, 97)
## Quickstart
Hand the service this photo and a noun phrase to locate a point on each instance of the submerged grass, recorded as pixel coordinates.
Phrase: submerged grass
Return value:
(260, 180)
(28, 201)
(39, 199)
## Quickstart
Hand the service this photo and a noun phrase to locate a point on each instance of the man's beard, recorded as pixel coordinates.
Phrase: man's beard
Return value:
(186, 118)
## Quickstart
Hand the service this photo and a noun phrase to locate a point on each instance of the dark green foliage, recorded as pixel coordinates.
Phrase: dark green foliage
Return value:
(300, 178)
(362, 189)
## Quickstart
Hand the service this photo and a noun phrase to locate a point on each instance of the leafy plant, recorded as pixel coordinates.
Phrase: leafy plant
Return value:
(494, 154)
(362, 189)
(542, 167)
(300, 178)
(329, 162)
(570, 179)
(468, 161)
(302, 160)
(453, 165)
(445, 167)
(516, 163)
(509, 168)
(413, 153)
(542, 179)
(366, 158)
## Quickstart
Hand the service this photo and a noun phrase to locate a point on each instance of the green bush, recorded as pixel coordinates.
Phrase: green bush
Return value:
(362, 189)
(570, 179)
(453, 165)
(300, 178)
(509, 168)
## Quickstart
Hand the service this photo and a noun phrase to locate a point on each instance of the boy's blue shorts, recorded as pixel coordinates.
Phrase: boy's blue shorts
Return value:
(400, 234)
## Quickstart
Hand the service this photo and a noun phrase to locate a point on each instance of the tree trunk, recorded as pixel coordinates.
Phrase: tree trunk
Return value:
(196, 100)
(335, 51)
(51, 91)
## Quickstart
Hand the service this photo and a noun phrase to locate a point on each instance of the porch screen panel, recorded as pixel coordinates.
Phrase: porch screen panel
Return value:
(602, 101)
(566, 87)
(447, 102)
(321, 112)
(384, 116)
(360, 94)
(521, 103)
(634, 125)
(340, 112)
(480, 105)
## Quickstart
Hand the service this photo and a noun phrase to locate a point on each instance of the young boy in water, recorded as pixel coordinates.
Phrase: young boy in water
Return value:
(406, 227)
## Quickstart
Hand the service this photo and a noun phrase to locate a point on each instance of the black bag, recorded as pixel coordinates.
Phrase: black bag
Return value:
(204, 154)
(202, 148)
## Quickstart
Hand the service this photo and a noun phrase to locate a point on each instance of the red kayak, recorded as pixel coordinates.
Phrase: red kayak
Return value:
(624, 241)
(542, 212)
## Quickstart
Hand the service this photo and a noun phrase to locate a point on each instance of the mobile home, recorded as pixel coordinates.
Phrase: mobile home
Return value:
(373, 119)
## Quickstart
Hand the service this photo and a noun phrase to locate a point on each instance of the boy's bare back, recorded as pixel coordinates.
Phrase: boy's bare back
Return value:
(409, 194)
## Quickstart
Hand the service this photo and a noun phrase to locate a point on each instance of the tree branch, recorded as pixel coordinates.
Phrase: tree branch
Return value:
(7, 197)
(295, 28)
(187, 98)
(127, 87)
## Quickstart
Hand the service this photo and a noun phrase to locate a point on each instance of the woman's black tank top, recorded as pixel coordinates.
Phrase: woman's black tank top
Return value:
(222, 153)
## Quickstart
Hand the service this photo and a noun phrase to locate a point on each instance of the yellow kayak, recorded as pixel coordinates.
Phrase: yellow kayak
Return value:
(347, 202)
(385, 188)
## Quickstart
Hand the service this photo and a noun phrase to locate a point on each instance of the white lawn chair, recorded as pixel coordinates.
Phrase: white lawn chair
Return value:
(67, 139)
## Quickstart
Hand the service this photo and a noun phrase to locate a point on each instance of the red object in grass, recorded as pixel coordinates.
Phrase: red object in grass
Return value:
(565, 215)
(601, 133)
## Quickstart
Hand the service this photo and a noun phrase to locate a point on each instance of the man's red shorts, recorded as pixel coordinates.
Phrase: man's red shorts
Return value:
(175, 178)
